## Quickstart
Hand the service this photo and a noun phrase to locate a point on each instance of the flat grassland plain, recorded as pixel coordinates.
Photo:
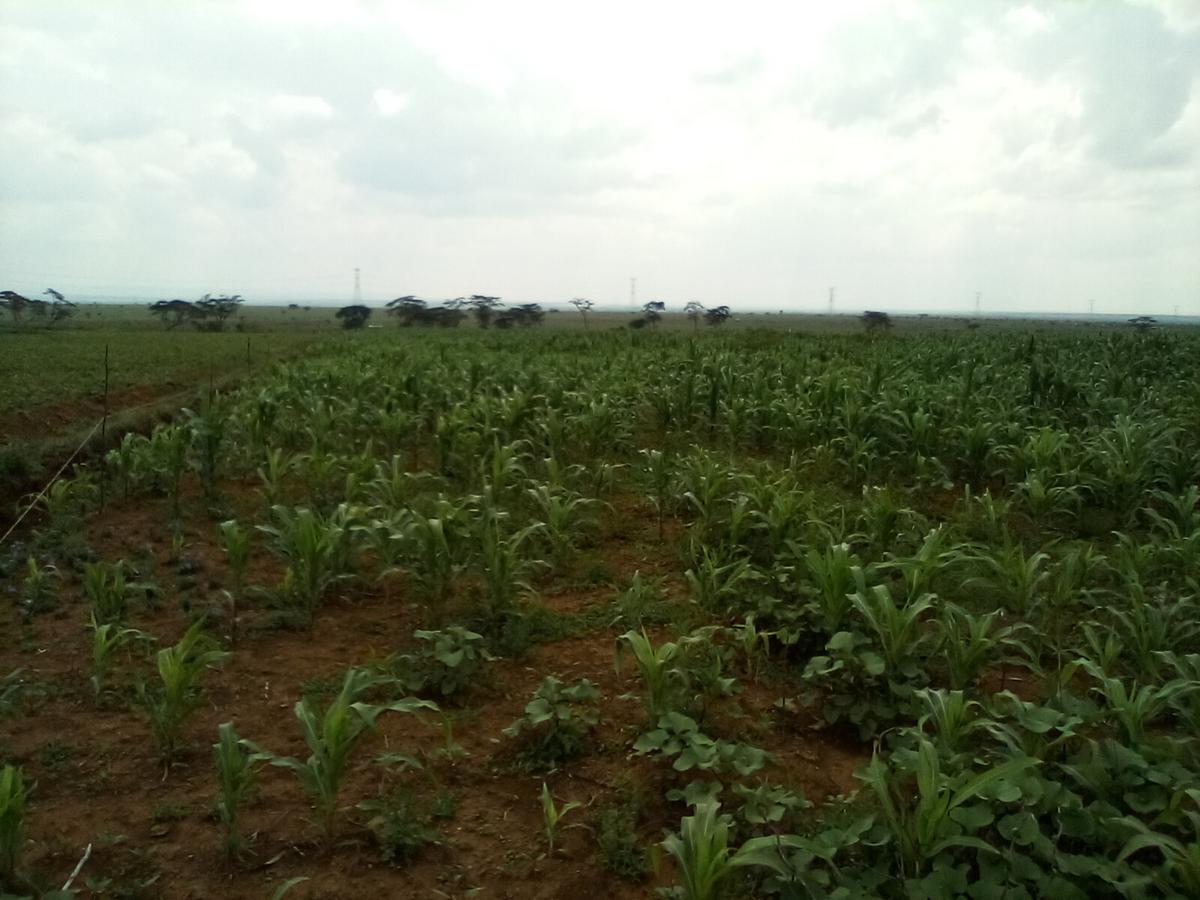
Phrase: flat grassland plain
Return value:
(510, 614)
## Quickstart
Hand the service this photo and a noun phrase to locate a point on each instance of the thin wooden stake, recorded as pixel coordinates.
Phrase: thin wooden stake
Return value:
(104, 432)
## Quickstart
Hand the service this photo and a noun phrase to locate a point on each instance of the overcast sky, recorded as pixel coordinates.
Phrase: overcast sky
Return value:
(910, 153)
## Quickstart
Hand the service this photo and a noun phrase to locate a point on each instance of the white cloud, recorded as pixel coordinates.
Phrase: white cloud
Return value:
(389, 103)
(291, 106)
(909, 152)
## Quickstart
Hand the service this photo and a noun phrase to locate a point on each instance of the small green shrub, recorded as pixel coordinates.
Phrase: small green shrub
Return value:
(555, 727)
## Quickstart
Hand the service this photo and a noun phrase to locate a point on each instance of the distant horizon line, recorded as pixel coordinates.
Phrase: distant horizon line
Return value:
(565, 306)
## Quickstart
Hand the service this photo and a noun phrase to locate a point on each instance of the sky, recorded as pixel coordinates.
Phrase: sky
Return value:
(913, 155)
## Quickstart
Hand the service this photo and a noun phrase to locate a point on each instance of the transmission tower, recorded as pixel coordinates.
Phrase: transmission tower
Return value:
(357, 287)
(978, 303)
(832, 293)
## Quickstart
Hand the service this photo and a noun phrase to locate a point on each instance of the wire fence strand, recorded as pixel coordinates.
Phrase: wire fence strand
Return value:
(42, 493)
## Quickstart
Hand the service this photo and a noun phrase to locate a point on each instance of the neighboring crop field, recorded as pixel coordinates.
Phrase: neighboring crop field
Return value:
(53, 367)
(538, 615)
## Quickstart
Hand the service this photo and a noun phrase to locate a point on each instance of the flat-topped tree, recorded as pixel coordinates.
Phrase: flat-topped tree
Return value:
(15, 303)
(1143, 323)
(60, 307)
(718, 315)
(584, 306)
(652, 311)
(484, 308)
(353, 316)
(407, 310)
(213, 309)
(173, 313)
(524, 314)
(694, 310)
(875, 321)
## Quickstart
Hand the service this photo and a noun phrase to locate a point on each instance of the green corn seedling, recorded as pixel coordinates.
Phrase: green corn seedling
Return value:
(14, 794)
(107, 639)
(317, 553)
(703, 858)
(39, 590)
(235, 541)
(660, 678)
(897, 628)
(923, 828)
(237, 761)
(108, 590)
(175, 698)
(272, 474)
(552, 817)
(331, 737)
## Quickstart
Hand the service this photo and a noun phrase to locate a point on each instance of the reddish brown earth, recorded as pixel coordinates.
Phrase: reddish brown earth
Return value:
(100, 781)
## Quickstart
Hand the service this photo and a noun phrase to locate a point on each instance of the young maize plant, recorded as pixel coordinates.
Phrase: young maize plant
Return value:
(39, 590)
(897, 629)
(716, 585)
(754, 645)
(1180, 873)
(207, 433)
(170, 703)
(272, 473)
(952, 718)
(503, 567)
(922, 829)
(107, 639)
(235, 542)
(552, 818)
(332, 736)
(561, 515)
(318, 552)
(108, 590)
(1134, 707)
(834, 575)
(703, 858)
(432, 548)
(237, 762)
(661, 680)
(1018, 580)
(123, 461)
(658, 470)
(14, 794)
(168, 450)
(969, 644)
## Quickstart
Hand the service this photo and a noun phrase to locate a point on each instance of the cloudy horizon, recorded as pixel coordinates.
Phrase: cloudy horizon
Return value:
(1045, 155)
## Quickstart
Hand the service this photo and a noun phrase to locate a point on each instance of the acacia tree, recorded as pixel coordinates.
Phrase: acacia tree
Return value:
(172, 313)
(524, 314)
(652, 311)
(406, 309)
(1143, 323)
(15, 303)
(718, 315)
(694, 310)
(484, 308)
(214, 309)
(875, 321)
(584, 306)
(353, 316)
(60, 307)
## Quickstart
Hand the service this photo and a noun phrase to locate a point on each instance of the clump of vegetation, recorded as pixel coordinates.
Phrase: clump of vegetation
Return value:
(237, 761)
(175, 697)
(403, 828)
(556, 726)
(447, 664)
(332, 736)
(14, 795)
